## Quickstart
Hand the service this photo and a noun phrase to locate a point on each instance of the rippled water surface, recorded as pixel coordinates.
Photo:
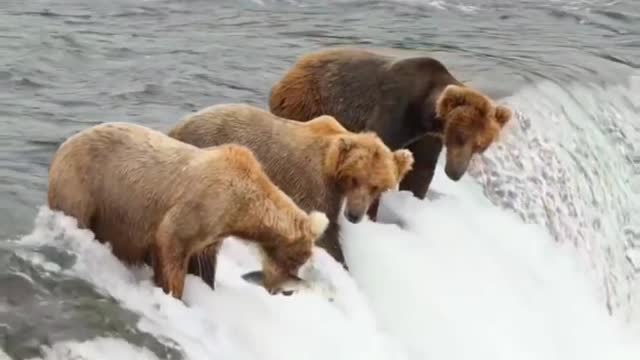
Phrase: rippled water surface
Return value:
(569, 68)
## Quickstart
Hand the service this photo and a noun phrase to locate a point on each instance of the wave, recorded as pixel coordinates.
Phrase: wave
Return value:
(461, 278)
(571, 162)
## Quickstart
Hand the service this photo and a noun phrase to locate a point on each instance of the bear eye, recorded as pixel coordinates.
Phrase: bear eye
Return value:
(459, 139)
(456, 137)
(375, 189)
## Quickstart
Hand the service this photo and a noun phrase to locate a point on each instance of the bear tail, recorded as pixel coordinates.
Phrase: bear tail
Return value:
(318, 222)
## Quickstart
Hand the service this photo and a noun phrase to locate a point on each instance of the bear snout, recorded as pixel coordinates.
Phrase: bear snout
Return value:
(354, 216)
(454, 173)
(357, 202)
(458, 160)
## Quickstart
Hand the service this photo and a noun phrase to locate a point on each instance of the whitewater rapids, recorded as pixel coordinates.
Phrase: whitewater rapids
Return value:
(462, 279)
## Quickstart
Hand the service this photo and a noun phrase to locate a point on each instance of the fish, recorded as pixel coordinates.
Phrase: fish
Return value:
(293, 284)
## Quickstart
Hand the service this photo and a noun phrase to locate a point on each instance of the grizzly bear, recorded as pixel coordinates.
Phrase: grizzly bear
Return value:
(318, 164)
(412, 103)
(149, 195)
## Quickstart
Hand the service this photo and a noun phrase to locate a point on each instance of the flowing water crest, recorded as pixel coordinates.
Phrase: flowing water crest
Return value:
(535, 254)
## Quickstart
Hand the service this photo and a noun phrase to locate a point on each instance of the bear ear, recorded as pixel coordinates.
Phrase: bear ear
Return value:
(318, 223)
(339, 149)
(503, 115)
(404, 162)
(345, 144)
(454, 96)
(451, 97)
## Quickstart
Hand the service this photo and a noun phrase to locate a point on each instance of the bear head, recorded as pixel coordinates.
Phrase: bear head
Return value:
(471, 123)
(291, 253)
(363, 168)
(283, 258)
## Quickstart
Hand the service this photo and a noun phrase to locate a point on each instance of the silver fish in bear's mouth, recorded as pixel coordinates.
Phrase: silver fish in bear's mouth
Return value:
(291, 285)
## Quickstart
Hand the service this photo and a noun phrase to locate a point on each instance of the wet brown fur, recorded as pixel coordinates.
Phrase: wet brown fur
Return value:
(317, 163)
(149, 195)
(413, 103)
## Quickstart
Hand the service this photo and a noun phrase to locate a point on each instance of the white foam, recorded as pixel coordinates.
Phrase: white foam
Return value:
(474, 282)
(237, 321)
(442, 5)
(464, 280)
(3, 355)
(577, 180)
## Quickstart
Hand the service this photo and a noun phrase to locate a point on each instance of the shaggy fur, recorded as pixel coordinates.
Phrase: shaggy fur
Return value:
(318, 163)
(150, 195)
(412, 103)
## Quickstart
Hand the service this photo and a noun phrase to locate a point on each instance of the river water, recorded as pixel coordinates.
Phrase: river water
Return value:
(570, 162)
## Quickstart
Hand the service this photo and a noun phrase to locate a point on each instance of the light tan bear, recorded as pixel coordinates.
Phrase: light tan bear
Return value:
(318, 164)
(149, 195)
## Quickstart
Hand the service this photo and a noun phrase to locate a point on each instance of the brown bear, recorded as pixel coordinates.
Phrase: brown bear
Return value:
(412, 103)
(150, 195)
(318, 164)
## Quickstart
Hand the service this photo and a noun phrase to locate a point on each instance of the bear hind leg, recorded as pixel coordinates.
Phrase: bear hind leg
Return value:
(169, 259)
(73, 202)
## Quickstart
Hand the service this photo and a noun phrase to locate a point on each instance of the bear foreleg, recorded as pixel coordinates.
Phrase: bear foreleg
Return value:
(169, 259)
(426, 152)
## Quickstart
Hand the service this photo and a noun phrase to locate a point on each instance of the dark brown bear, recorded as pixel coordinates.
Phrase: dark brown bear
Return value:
(412, 103)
